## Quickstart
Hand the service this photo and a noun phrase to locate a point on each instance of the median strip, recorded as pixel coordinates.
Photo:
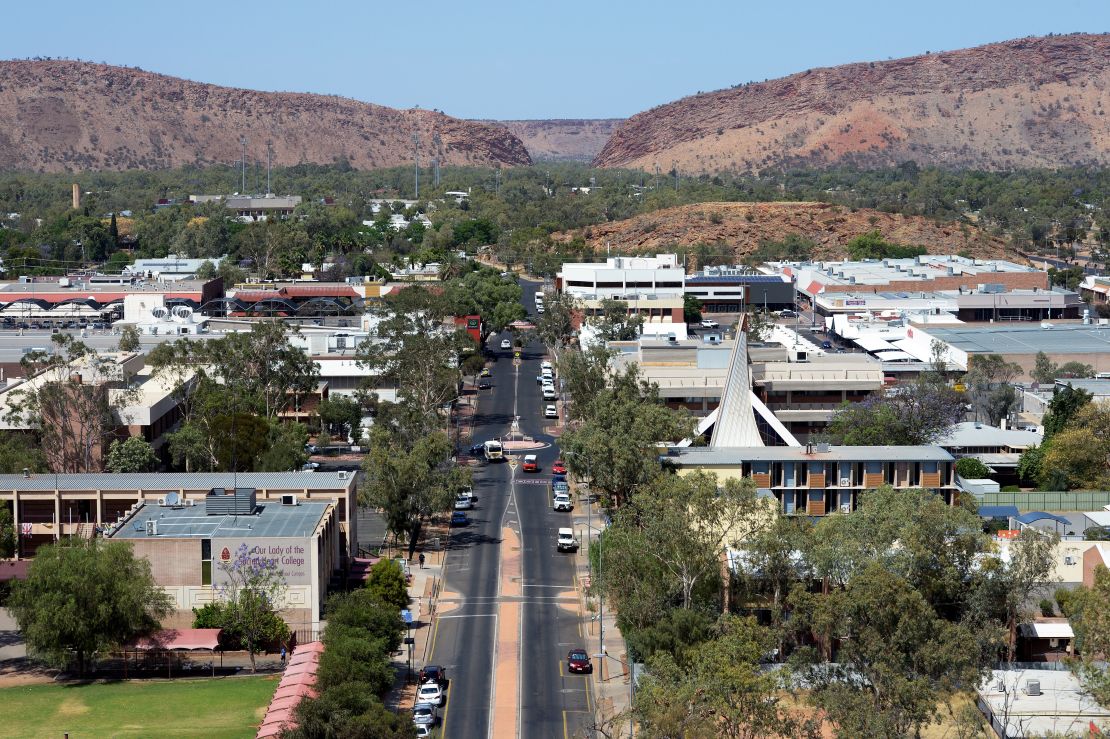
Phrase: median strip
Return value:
(506, 684)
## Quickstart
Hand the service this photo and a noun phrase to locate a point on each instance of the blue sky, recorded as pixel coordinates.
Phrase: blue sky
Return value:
(523, 59)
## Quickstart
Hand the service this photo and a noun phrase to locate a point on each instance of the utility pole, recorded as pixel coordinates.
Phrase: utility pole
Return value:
(437, 145)
(416, 162)
(243, 165)
(674, 166)
(269, 164)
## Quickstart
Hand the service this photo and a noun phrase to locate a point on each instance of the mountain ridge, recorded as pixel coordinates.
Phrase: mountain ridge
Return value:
(1029, 102)
(58, 115)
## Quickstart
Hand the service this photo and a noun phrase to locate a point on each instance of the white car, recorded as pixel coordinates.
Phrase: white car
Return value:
(550, 411)
(424, 714)
(566, 541)
(422, 731)
(549, 392)
(562, 502)
(430, 693)
(539, 308)
(463, 504)
(545, 365)
(506, 344)
(707, 323)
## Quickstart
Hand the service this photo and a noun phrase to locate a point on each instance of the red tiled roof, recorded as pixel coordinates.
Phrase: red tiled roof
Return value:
(296, 682)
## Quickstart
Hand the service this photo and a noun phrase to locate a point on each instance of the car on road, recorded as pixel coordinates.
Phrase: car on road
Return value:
(310, 466)
(706, 323)
(539, 308)
(424, 714)
(826, 345)
(477, 450)
(506, 344)
(430, 693)
(558, 477)
(562, 502)
(545, 365)
(550, 411)
(559, 468)
(433, 674)
(485, 372)
(566, 541)
(422, 730)
(840, 350)
(788, 313)
(458, 518)
(579, 661)
(484, 385)
(463, 504)
(531, 463)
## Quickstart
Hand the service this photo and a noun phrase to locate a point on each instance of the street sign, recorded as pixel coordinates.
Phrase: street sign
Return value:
(512, 462)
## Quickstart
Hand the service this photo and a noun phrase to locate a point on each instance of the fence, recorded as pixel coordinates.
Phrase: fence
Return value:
(1088, 500)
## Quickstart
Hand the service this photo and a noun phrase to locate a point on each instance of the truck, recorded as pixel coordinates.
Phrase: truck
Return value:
(493, 451)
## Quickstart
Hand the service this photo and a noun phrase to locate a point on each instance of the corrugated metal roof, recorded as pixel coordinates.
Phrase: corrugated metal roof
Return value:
(695, 456)
(270, 520)
(178, 481)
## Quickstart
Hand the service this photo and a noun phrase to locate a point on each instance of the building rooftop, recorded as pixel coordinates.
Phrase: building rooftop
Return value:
(78, 290)
(699, 456)
(167, 481)
(1061, 338)
(271, 519)
(1062, 708)
(970, 434)
(1097, 388)
(882, 271)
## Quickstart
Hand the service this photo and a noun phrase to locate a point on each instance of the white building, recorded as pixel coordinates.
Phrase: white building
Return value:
(169, 269)
(623, 278)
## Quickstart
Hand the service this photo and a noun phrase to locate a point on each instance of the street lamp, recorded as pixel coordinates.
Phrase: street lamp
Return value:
(589, 531)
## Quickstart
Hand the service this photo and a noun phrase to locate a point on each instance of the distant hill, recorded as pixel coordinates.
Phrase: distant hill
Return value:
(739, 228)
(570, 139)
(1031, 102)
(63, 115)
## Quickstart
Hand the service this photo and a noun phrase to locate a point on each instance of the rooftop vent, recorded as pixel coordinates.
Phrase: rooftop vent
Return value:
(1032, 687)
(823, 447)
(224, 502)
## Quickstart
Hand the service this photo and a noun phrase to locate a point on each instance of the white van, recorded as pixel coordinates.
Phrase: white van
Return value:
(493, 451)
(566, 541)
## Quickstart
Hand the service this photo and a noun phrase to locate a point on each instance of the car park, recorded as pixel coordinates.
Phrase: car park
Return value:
(566, 541)
(550, 411)
(458, 518)
(562, 502)
(424, 714)
(506, 344)
(559, 468)
(531, 463)
(578, 660)
(430, 692)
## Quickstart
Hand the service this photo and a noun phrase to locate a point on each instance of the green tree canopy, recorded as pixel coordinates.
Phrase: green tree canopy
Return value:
(82, 598)
(132, 455)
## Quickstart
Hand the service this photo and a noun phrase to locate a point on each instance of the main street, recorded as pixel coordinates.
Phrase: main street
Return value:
(548, 702)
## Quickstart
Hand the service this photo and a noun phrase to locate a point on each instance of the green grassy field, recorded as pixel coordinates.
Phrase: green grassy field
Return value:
(223, 707)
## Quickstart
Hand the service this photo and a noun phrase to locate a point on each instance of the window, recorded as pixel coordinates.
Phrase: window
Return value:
(205, 561)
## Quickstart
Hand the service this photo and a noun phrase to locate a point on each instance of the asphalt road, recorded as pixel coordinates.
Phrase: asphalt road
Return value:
(552, 703)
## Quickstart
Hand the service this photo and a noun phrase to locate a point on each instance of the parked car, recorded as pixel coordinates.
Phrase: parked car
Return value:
(458, 518)
(424, 714)
(531, 463)
(559, 468)
(485, 372)
(566, 541)
(433, 674)
(558, 477)
(463, 504)
(707, 323)
(788, 313)
(562, 502)
(545, 365)
(506, 344)
(484, 385)
(422, 731)
(477, 450)
(430, 693)
(548, 392)
(826, 345)
(550, 411)
(579, 661)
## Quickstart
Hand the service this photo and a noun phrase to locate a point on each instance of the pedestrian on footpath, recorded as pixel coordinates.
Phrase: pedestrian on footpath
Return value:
(422, 560)
(283, 656)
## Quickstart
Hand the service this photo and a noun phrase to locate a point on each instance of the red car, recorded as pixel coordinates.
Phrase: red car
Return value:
(579, 661)
(559, 468)
(531, 464)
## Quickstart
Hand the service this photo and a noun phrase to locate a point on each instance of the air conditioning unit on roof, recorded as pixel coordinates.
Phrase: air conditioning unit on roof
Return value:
(343, 474)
